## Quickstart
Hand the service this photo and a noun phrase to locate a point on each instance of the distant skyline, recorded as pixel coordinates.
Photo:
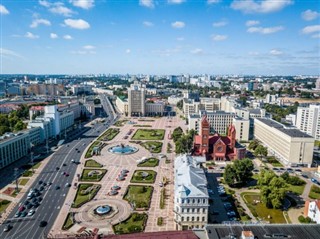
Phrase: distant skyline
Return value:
(270, 37)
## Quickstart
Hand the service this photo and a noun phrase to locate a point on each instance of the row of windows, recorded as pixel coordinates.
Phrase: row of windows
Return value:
(192, 200)
(191, 219)
(192, 210)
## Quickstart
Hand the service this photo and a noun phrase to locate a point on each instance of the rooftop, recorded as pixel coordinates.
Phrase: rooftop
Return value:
(292, 132)
(306, 231)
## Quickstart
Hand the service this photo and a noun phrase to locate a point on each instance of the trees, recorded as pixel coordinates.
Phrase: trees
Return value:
(261, 151)
(176, 134)
(184, 142)
(239, 172)
(180, 104)
(272, 189)
(253, 144)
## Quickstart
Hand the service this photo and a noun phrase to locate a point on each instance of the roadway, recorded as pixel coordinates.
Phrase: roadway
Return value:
(53, 199)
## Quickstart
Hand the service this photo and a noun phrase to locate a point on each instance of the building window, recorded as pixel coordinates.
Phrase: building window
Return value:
(182, 219)
(197, 219)
(187, 219)
(192, 219)
(203, 219)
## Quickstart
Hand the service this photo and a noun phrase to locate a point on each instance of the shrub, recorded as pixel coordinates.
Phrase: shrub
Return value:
(301, 219)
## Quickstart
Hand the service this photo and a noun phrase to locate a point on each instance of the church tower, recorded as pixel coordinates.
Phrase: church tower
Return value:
(232, 136)
(204, 133)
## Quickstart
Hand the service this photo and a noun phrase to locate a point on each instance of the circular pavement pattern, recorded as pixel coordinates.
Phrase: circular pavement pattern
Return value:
(121, 210)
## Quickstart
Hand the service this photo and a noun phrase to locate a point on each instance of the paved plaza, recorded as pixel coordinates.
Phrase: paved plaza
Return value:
(114, 163)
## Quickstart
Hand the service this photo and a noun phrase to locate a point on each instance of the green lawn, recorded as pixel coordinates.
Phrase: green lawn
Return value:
(140, 196)
(260, 210)
(23, 181)
(15, 193)
(89, 152)
(69, 222)
(84, 195)
(135, 223)
(274, 162)
(296, 189)
(3, 205)
(27, 173)
(109, 134)
(120, 123)
(162, 198)
(138, 178)
(92, 164)
(153, 146)
(94, 177)
(314, 192)
(149, 134)
(36, 165)
(151, 162)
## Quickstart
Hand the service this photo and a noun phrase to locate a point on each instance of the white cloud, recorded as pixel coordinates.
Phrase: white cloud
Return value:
(178, 24)
(77, 23)
(175, 1)
(3, 10)
(180, 39)
(264, 6)
(310, 15)
(265, 30)
(220, 24)
(197, 51)
(9, 53)
(85, 4)
(128, 51)
(275, 52)
(213, 1)
(148, 24)
(36, 22)
(311, 29)
(31, 35)
(219, 37)
(251, 23)
(67, 37)
(53, 36)
(60, 9)
(44, 3)
(89, 47)
(146, 3)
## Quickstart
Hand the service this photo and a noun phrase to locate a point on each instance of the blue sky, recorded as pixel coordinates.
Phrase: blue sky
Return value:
(270, 37)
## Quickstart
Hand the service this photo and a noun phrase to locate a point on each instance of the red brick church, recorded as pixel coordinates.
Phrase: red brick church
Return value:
(217, 147)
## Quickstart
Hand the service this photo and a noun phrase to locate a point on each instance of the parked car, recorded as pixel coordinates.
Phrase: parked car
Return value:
(7, 228)
(31, 212)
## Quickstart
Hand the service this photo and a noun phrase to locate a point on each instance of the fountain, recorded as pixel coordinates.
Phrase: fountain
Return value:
(103, 210)
(123, 149)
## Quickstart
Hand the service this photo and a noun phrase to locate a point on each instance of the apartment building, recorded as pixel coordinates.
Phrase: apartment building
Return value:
(308, 120)
(191, 199)
(193, 106)
(289, 145)
(312, 210)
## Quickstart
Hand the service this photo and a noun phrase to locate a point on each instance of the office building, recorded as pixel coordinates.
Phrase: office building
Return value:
(13, 147)
(242, 127)
(191, 199)
(308, 120)
(193, 106)
(136, 100)
(289, 145)
(155, 108)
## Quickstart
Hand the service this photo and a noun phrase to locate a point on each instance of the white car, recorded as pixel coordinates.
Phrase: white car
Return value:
(31, 212)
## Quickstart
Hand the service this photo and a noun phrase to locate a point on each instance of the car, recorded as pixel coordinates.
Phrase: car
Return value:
(41, 188)
(17, 214)
(76, 148)
(63, 173)
(26, 203)
(57, 187)
(57, 168)
(40, 182)
(36, 204)
(43, 224)
(314, 180)
(44, 184)
(64, 164)
(256, 170)
(67, 185)
(161, 184)
(67, 175)
(210, 167)
(21, 209)
(39, 199)
(305, 176)
(24, 214)
(298, 170)
(222, 167)
(72, 161)
(7, 228)
(31, 212)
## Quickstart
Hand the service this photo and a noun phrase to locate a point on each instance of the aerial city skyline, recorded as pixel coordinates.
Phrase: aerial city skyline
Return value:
(160, 37)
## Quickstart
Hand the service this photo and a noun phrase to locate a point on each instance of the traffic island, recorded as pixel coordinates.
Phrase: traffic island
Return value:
(69, 222)
(150, 162)
(109, 134)
(92, 175)
(152, 146)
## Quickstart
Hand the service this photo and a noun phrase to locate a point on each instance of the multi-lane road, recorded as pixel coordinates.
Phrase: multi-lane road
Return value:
(52, 197)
